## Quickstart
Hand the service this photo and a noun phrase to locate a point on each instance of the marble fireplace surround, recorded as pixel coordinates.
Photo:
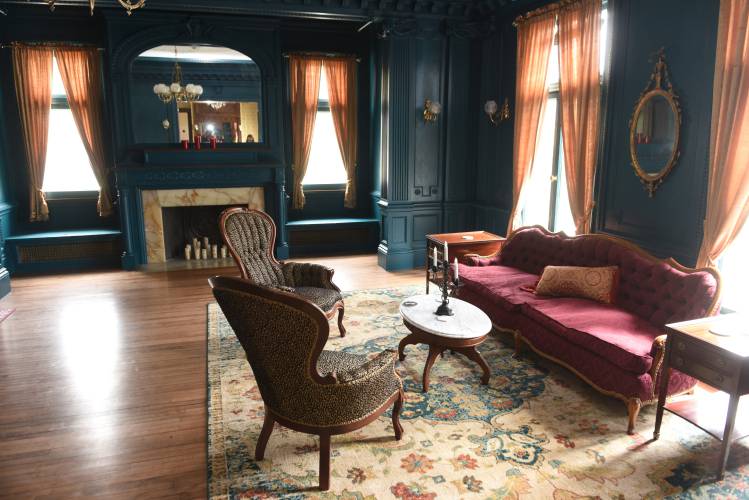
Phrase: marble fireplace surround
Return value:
(155, 199)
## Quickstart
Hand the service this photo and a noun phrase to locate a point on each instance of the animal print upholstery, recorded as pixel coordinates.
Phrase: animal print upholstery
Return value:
(279, 341)
(250, 235)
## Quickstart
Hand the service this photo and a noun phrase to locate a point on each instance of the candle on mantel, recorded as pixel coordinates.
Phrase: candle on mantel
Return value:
(188, 252)
(456, 269)
(445, 257)
(434, 256)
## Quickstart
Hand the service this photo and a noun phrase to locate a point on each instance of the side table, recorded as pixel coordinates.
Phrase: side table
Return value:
(460, 245)
(719, 361)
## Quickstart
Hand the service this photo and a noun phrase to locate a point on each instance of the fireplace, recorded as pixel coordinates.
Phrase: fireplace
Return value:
(174, 217)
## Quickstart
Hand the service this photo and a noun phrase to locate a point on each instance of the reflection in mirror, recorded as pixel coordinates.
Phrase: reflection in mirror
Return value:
(195, 93)
(655, 133)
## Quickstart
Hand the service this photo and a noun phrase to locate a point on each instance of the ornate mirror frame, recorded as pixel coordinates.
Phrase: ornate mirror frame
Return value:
(659, 85)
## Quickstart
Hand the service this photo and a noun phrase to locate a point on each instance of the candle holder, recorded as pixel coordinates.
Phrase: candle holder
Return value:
(447, 287)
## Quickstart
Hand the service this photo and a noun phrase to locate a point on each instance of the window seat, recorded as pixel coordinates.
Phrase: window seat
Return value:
(332, 236)
(54, 251)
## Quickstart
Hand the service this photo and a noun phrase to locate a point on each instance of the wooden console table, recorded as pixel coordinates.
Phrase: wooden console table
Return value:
(459, 245)
(719, 361)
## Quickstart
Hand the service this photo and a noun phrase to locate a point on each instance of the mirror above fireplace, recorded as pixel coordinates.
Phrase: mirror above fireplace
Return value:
(195, 93)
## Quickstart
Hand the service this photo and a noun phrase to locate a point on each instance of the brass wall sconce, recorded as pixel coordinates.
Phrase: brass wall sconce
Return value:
(497, 115)
(432, 109)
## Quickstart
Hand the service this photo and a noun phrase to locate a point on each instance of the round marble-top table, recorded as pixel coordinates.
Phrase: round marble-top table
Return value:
(461, 332)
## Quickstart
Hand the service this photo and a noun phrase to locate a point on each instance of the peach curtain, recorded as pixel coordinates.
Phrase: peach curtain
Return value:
(304, 83)
(580, 101)
(728, 186)
(80, 68)
(341, 75)
(32, 74)
(535, 38)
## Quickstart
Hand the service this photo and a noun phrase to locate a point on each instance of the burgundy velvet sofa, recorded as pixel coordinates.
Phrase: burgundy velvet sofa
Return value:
(618, 348)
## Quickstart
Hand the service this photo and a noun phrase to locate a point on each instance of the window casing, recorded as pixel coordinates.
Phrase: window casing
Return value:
(67, 167)
(546, 202)
(325, 166)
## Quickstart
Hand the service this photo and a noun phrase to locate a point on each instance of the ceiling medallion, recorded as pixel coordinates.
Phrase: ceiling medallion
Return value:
(129, 5)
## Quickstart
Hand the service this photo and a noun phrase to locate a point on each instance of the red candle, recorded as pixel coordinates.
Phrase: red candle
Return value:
(213, 143)
(196, 143)
(185, 144)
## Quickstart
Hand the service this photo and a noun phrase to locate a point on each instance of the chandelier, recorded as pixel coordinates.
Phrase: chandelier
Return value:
(176, 90)
(130, 5)
(217, 105)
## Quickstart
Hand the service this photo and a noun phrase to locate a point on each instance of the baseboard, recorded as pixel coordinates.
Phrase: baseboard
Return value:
(396, 261)
(4, 282)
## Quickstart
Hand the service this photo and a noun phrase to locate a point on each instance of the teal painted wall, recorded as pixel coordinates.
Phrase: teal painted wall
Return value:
(670, 223)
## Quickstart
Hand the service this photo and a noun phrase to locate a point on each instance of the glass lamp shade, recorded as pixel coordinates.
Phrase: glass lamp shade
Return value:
(490, 108)
(175, 88)
(435, 107)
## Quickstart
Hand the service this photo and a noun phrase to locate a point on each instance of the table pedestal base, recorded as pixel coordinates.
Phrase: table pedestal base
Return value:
(438, 345)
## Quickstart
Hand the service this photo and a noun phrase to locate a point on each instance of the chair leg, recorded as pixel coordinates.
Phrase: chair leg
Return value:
(397, 406)
(341, 328)
(324, 462)
(633, 409)
(265, 433)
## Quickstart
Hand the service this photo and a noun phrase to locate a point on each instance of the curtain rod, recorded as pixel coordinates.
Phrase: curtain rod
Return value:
(552, 7)
(51, 44)
(286, 55)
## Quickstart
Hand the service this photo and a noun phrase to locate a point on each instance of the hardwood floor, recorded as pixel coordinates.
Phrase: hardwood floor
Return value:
(103, 380)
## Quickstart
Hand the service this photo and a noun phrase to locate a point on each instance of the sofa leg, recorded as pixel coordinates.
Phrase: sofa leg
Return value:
(633, 409)
(518, 344)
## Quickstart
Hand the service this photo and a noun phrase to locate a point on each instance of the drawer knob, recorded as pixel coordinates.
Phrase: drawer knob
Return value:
(678, 361)
(681, 346)
(721, 362)
(720, 378)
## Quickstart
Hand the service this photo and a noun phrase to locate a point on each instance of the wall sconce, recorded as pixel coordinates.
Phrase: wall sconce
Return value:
(497, 116)
(431, 110)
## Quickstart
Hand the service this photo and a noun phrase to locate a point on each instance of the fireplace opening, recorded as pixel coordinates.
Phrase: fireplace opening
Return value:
(184, 224)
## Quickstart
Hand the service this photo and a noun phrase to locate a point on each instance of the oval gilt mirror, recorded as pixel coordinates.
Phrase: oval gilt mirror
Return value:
(654, 129)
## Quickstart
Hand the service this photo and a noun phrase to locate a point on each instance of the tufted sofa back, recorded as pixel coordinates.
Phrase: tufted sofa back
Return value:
(250, 234)
(655, 290)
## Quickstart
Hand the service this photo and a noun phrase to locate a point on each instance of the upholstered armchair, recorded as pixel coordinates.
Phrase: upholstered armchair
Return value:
(304, 387)
(251, 237)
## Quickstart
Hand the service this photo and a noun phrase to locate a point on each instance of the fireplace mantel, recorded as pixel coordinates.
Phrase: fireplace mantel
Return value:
(133, 180)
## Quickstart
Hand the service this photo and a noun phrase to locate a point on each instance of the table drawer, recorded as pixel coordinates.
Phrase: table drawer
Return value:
(695, 367)
(706, 355)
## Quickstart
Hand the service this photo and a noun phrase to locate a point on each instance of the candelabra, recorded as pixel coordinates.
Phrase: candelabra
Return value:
(447, 286)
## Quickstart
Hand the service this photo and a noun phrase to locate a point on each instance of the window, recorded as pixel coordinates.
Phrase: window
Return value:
(67, 167)
(735, 273)
(546, 201)
(325, 163)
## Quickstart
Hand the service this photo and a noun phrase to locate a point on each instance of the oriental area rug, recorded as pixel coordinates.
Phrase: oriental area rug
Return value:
(536, 431)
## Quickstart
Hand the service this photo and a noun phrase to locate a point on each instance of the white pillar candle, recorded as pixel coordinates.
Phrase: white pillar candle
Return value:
(214, 251)
(456, 269)
(206, 243)
(195, 243)
(196, 252)
(204, 253)
(445, 258)
(224, 251)
(434, 256)
(188, 252)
